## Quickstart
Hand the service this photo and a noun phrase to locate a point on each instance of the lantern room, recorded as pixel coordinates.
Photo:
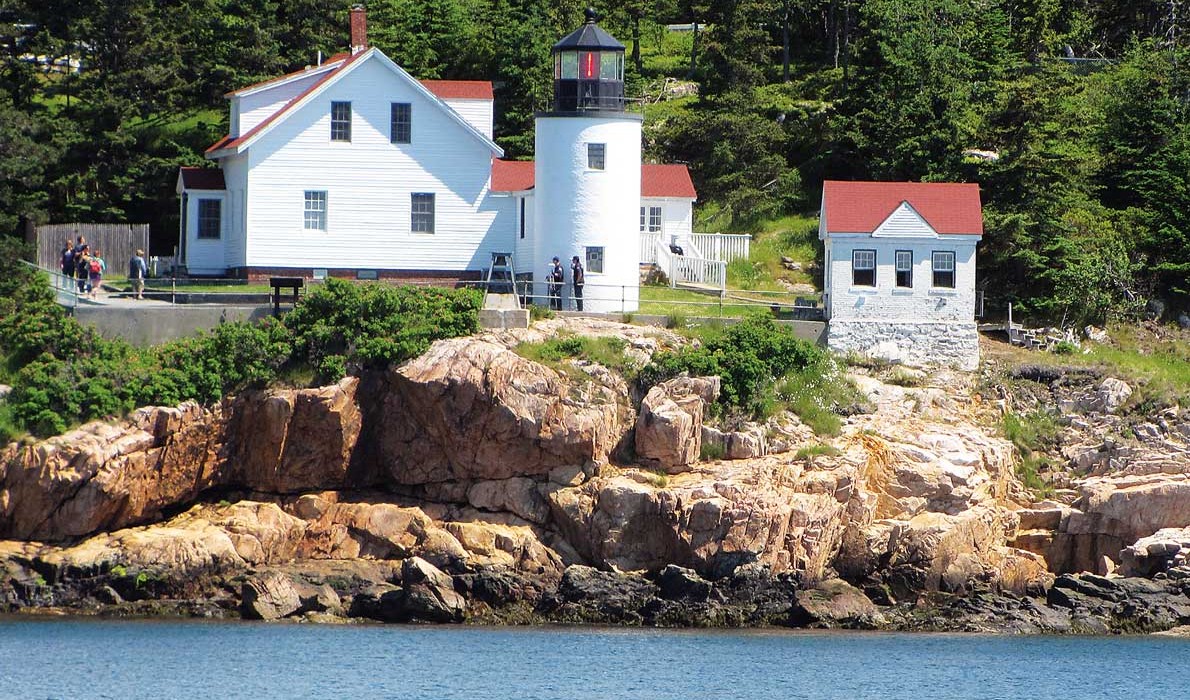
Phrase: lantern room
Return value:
(588, 70)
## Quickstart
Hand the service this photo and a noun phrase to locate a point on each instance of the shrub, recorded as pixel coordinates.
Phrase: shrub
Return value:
(712, 451)
(63, 373)
(538, 312)
(901, 376)
(748, 357)
(603, 350)
(344, 326)
(810, 451)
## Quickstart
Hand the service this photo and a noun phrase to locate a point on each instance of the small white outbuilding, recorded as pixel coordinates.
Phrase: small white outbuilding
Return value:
(899, 277)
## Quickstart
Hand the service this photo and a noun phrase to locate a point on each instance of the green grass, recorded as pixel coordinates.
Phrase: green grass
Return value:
(904, 377)
(603, 350)
(816, 394)
(666, 301)
(9, 429)
(712, 452)
(811, 451)
(794, 237)
(1158, 369)
(1033, 434)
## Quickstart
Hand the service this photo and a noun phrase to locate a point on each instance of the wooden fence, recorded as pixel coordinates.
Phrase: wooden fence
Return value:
(116, 242)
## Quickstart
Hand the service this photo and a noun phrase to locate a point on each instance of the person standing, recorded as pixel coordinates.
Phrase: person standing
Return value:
(137, 272)
(554, 279)
(82, 267)
(96, 266)
(577, 280)
(67, 263)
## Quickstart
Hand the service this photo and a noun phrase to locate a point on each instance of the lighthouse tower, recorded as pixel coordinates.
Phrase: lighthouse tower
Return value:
(587, 174)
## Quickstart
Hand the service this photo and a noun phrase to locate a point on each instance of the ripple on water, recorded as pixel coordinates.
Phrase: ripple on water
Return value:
(159, 659)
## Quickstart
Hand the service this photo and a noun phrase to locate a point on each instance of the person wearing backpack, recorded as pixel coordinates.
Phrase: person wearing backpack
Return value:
(137, 272)
(82, 267)
(577, 280)
(95, 269)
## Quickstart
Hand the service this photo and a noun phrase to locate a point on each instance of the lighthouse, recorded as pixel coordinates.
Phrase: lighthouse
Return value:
(587, 173)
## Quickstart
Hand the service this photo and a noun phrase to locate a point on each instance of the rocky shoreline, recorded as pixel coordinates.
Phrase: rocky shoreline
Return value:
(472, 485)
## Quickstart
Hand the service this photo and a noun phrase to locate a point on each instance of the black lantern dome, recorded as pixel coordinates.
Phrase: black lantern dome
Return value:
(588, 70)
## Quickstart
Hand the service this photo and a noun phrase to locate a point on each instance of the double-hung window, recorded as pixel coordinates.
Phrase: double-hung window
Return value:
(422, 208)
(596, 156)
(943, 265)
(904, 262)
(315, 213)
(340, 121)
(643, 220)
(863, 268)
(210, 217)
(402, 122)
(654, 219)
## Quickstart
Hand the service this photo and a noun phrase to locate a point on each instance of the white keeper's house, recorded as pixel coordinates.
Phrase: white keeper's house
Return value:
(355, 168)
(899, 278)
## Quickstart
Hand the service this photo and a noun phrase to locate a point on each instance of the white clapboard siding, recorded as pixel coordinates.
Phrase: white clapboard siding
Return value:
(676, 215)
(369, 182)
(235, 177)
(477, 112)
(904, 221)
(254, 108)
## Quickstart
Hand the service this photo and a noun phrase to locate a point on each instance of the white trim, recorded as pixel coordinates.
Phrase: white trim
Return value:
(927, 231)
(278, 82)
(313, 94)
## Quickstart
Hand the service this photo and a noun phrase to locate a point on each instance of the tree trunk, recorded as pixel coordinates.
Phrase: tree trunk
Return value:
(636, 44)
(694, 51)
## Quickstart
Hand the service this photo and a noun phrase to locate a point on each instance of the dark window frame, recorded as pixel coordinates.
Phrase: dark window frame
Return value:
(942, 278)
(594, 265)
(856, 279)
(421, 218)
(208, 221)
(655, 219)
(904, 278)
(522, 217)
(401, 122)
(596, 156)
(341, 121)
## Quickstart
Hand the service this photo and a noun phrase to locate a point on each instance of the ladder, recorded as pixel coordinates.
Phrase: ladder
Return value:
(499, 285)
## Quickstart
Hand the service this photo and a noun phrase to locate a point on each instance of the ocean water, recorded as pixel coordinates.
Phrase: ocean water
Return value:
(157, 659)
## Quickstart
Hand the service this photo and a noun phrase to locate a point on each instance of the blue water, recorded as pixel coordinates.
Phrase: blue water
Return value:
(128, 660)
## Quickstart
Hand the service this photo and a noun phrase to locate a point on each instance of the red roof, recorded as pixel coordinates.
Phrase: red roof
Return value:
(232, 142)
(860, 207)
(202, 179)
(666, 181)
(655, 180)
(460, 89)
(512, 175)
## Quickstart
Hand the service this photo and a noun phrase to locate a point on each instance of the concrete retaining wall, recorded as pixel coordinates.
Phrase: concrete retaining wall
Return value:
(150, 325)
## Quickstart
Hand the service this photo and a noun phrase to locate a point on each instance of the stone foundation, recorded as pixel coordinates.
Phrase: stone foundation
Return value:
(953, 343)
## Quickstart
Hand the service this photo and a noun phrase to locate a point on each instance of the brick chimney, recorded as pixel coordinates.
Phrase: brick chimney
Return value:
(359, 29)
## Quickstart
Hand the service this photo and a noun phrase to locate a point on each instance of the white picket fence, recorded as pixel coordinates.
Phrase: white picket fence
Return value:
(686, 269)
(722, 246)
(648, 247)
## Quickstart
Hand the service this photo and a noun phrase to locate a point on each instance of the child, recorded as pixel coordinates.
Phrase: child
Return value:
(96, 268)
